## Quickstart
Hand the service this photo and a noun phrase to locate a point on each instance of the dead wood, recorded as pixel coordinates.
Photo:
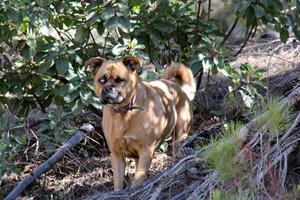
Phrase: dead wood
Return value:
(86, 129)
(271, 154)
(288, 102)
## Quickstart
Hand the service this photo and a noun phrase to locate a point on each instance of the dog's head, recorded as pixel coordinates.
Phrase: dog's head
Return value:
(114, 81)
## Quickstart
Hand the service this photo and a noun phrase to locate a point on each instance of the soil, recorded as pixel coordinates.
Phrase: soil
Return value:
(74, 177)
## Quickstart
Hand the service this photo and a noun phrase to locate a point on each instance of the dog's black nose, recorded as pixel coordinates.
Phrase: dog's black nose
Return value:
(109, 89)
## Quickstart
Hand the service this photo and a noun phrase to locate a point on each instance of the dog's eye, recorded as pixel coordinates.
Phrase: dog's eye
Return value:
(119, 80)
(102, 80)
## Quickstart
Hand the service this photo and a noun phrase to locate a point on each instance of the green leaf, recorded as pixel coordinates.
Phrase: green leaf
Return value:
(85, 96)
(44, 67)
(71, 74)
(124, 24)
(107, 14)
(244, 6)
(277, 4)
(259, 11)
(52, 124)
(24, 27)
(71, 97)
(112, 24)
(77, 108)
(284, 35)
(214, 69)
(164, 27)
(154, 36)
(250, 13)
(297, 33)
(67, 89)
(100, 28)
(195, 67)
(149, 75)
(164, 146)
(118, 49)
(82, 34)
(247, 99)
(62, 66)
(96, 103)
(265, 2)
(207, 64)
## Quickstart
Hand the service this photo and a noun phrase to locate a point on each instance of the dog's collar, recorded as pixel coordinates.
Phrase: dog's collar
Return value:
(128, 107)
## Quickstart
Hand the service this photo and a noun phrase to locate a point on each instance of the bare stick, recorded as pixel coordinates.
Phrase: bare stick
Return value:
(197, 21)
(291, 129)
(94, 41)
(246, 39)
(86, 129)
(230, 30)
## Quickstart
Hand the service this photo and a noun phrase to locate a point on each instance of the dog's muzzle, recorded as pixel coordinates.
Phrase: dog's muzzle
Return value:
(110, 95)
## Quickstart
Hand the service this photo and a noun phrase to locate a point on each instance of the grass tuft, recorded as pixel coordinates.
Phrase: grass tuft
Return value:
(278, 119)
(221, 152)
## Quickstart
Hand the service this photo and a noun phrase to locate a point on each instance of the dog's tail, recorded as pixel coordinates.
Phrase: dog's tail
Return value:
(184, 76)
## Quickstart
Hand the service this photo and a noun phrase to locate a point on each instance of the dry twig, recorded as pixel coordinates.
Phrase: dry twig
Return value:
(44, 167)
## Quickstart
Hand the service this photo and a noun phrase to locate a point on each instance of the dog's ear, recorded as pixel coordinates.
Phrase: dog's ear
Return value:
(94, 64)
(131, 62)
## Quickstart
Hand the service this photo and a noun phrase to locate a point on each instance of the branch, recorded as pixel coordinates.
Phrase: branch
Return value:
(64, 32)
(202, 191)
(291, 129)
(86, 129)
(246, 39)
(105, 41)
(208, 9)
(199, 79)
(37, 99)
(197, 21)
(6, 56)
(230, 30)
(94, 41)
(290, 101)
(39, 102)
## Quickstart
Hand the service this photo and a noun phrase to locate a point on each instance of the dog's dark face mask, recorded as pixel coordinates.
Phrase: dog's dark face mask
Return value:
(114, 81)
(111, 95)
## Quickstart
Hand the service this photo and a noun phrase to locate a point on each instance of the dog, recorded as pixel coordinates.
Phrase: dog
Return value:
(138, 115)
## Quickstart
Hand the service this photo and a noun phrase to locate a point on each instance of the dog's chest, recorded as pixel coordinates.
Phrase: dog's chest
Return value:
(127, 144)
(120, 138)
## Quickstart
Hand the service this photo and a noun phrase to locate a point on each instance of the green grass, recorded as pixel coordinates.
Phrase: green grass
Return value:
(230, 194)
(221, 152)
(278, 119)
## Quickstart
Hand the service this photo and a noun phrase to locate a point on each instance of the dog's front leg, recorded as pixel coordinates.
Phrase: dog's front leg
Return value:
(118, 166)
(143, 166)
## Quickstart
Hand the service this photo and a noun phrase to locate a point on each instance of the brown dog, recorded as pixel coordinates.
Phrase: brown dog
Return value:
(139, 115)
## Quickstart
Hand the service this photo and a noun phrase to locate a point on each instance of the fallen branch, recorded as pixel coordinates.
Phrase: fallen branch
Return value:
(288, 102)
(271, 156)
(86, 129)
(190, 189)
(202, 191)
(196, 134)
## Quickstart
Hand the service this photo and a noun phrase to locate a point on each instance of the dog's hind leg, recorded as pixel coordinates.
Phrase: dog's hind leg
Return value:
(184, 119)
(174, 145)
